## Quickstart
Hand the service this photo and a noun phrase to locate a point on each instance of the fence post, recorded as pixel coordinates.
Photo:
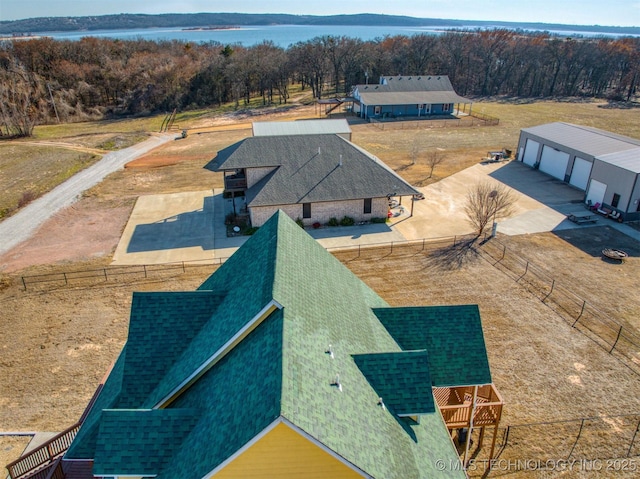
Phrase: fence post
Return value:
(553, 283)
(616, 342)
(504, 251)
(577, 439)
(144, 266)
(391, 252)
(454, 240)
(24, 283)
(65, 278)
(526, 269)
(633, 439)
(423, 240)
(183, 270)
(584, 303)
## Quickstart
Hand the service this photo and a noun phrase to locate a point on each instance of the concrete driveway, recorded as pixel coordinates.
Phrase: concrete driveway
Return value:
(190, 226)
(541, 203)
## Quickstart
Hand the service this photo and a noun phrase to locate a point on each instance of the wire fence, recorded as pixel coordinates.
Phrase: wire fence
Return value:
(139, 272)
(112, 274)
(600, 444)
(397, 124)
(608, 333)
(611, 335)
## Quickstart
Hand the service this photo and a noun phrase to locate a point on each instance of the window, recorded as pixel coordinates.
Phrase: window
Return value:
(377, 110)
(446, 107)
(367, 206)
(615, 200)
(306, 210)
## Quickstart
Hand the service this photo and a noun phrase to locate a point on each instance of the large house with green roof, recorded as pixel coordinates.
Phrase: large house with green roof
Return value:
(281, 364)
(311, 177)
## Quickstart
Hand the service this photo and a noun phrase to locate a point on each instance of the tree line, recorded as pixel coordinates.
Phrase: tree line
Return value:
(45, 80)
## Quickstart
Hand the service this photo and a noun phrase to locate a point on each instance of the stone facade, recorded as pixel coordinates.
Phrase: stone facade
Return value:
(323, 211)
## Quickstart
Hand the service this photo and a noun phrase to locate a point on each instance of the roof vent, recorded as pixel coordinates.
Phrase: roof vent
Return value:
(381, 404)
(329, 351)
(318, 150)
(340, 162)
(428, 78)
(438, 78)
(409, 78)
(419, 78)
(336, 383)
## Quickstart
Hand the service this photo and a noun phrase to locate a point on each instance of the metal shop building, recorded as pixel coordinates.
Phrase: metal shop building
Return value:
(604, 165)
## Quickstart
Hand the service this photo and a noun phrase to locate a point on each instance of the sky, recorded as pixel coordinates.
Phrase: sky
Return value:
(577, 12)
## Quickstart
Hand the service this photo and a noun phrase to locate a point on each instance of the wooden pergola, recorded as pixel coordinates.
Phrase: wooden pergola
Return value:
(470, 407)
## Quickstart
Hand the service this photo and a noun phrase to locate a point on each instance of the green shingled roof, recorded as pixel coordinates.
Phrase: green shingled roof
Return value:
(311, 168)
(140, 442)
(452, 335)
(401, 379)
(281, 369)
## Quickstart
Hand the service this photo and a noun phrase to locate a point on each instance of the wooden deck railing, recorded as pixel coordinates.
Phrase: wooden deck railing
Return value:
(43, 455)
(456, 405)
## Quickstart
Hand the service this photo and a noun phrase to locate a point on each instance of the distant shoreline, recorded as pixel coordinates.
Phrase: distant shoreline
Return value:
(5, 38)
(223, 21)
(216, 27)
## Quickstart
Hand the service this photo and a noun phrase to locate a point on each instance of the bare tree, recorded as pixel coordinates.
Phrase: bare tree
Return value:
(414, 152)
(488, 202)
(434, 159)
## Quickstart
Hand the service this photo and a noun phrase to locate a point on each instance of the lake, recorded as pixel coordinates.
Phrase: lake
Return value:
(280, 35)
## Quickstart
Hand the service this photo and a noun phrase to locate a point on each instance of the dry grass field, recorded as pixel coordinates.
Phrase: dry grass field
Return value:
(59, 343)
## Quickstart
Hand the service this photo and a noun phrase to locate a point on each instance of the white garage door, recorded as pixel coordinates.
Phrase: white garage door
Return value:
(554, 162)
(580, 173)
(596, 192)
(530, 152)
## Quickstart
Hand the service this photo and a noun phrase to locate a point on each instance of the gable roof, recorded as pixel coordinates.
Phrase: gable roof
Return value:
(416, 89)
(280, 369)
(591, 141)
(302, 127)
(452, 335)
(310, 169)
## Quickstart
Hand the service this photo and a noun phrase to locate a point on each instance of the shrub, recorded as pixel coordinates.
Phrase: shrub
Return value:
(333, 222)
(250, 231)
(347, 221)
(26, 198)
(300, 222)
(316, 225)
(379, 220)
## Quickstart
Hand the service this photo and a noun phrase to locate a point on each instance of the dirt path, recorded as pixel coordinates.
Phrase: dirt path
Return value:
(62, 144)
(21, 226)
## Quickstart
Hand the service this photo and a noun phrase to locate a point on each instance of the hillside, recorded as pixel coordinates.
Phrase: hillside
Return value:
(129, 21)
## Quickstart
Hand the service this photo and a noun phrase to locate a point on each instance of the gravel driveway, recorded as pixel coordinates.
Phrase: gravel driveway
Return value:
(19, 227)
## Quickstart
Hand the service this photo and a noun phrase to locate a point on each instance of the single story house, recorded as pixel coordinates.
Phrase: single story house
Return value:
(407, 96)
(310, 177)
(282, 364)
(606, 166)
(338, 127)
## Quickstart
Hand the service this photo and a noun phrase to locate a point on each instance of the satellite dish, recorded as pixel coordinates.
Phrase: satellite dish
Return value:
(236, 229)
